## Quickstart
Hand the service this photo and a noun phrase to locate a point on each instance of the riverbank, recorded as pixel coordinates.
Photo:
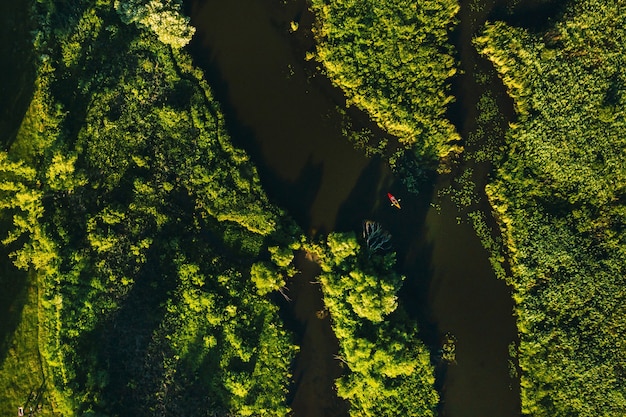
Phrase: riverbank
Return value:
(257, 62)
(559, 199)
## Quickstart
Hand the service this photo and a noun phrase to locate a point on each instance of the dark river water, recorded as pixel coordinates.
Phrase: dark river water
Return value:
(286, 115)
(17, 69)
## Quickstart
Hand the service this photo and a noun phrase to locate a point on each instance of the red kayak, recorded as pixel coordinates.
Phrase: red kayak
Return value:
(394, 201)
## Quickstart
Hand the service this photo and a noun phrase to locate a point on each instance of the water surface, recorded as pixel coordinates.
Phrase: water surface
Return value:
(17, 69)
(287, 117)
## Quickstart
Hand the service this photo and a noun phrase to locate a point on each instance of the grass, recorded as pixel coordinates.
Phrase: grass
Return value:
(22, 380)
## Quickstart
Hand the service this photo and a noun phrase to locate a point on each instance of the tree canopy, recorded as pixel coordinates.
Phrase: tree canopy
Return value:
(140, 223)
(392, 59)
(389, 370)
(560, 201)
(163, 17)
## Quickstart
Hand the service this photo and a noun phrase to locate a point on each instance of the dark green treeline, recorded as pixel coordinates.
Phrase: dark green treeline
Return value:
(140, 225)
(561, 201)
(393, 59)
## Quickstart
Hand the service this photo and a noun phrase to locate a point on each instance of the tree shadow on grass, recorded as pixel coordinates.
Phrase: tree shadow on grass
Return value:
(13, 297)
(122, 343)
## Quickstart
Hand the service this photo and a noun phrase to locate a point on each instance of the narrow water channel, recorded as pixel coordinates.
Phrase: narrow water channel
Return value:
(17, 68)
(287, 119)
(292, 130)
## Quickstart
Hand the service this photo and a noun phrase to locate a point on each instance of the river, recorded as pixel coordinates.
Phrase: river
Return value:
(287, 116)
(17, 69)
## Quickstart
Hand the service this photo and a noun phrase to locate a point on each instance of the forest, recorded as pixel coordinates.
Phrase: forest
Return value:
(390, 368)
(394, 60)
(560, 200)
(139, 227)
(145, 264)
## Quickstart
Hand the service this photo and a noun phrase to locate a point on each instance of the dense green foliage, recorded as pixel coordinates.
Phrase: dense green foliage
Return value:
(162, 17)
(392, 59)
(141, 225)
(390, 373)
(561, 201)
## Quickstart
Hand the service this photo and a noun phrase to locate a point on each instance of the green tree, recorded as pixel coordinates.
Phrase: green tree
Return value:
(266, 277)
(163, 17)
(389, 370)
(392, 59)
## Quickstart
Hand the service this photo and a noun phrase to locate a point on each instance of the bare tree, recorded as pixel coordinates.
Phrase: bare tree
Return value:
(376, 237)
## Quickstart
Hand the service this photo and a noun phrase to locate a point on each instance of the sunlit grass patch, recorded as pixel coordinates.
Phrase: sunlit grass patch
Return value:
(22, 381)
